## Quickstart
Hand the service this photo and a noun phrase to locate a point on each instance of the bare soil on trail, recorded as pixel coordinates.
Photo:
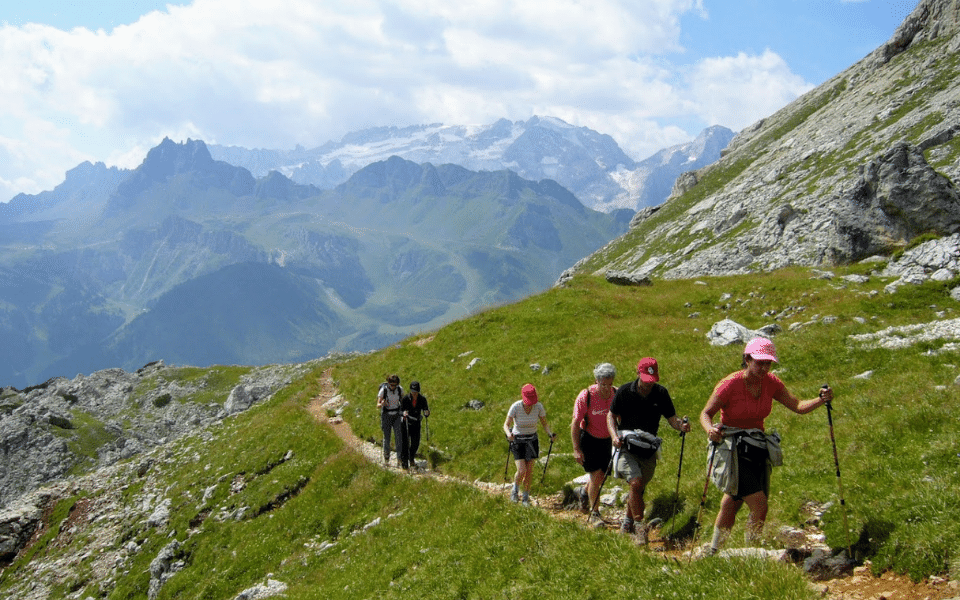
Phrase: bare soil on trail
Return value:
(862, 585)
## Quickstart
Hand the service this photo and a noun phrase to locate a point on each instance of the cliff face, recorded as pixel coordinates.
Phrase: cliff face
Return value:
(856, 167)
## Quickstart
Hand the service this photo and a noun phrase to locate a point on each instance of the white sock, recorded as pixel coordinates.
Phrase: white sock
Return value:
(719, 537)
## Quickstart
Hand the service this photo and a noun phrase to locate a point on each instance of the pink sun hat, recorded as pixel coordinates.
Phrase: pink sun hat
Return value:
(529, 394)
(761, 349)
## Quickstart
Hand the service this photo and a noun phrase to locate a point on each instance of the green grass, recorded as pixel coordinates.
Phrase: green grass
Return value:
(261, 494)
(573, 329)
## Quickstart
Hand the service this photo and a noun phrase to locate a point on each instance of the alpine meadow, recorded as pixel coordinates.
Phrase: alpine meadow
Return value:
(832, 227)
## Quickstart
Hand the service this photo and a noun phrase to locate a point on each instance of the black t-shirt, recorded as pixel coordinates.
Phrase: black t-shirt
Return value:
(406, 403)
(642, 412)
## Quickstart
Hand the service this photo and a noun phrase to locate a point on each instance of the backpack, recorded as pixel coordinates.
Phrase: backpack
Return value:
(640, 443)
(384, 390)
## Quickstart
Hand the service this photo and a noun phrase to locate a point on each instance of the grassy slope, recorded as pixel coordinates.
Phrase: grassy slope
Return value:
(896, 433)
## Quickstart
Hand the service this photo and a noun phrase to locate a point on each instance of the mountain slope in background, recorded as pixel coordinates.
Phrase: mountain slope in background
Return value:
(856, 167)
(195, 261)
(588, 163)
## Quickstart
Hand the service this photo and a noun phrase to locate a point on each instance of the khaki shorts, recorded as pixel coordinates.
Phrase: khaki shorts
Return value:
(629, 467)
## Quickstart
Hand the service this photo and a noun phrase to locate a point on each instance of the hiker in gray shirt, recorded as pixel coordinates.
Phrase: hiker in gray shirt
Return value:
(388, 401)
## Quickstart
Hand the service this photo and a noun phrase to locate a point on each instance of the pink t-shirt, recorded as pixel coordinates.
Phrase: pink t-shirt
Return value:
(738, 408)
(599, 407)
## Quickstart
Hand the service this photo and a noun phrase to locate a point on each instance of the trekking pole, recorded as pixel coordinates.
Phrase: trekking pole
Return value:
(836, 462)
(547, 463)
(703, 497)
(606, 474)
(683, 441)
(507, 466)
(426, 425)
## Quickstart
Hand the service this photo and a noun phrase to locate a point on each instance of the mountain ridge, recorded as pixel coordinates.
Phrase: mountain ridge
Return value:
(184, 226)
(858, 166)
(588, 163)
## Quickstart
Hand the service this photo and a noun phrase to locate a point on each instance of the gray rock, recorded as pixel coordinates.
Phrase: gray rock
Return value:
(163, 567)
(728, 332)
(625, 278)
(33, 453)
(821, 565)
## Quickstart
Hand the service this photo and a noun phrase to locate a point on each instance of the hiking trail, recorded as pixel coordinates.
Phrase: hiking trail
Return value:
(862, 585)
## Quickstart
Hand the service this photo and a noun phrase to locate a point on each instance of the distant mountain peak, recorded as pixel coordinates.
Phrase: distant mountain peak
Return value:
(588, 163)
(169, 159)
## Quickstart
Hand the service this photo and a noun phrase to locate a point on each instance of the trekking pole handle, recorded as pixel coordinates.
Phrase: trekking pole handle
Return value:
(825, 386)
(684, 422)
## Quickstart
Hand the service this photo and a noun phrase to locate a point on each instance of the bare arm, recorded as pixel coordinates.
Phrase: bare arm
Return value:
(802, 407)
(543, 421)
(508, 428)
(612, 422)
(575, 439)
(712, 407)
(679, 424)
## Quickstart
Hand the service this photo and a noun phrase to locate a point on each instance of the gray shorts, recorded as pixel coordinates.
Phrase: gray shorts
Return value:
(630, 467)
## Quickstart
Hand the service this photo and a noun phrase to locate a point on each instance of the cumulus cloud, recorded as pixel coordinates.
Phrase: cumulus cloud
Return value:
(258, 74)
(737, 90)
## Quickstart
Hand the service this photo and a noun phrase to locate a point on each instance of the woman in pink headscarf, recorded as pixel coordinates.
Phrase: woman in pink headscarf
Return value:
(521, 429)
(744, 398)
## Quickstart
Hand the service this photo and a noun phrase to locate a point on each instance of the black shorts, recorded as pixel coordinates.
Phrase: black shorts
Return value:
(525, 447)
(596, 452)
(753, 472)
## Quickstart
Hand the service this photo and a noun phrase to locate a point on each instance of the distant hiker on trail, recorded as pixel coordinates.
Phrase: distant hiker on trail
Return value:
(414, 408)
(521, 429)
(744, 398)
(388, 401)
(633, 422)
(592, 446)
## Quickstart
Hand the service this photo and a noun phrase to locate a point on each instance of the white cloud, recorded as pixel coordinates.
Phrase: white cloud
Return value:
(738, 90)
(262, 74)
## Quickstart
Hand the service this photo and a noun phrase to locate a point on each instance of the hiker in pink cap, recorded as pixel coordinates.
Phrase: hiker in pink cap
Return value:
(744, 398)
(633, 422)
(521, 429)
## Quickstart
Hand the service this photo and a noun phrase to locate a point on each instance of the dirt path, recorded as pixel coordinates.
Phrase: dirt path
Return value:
(860, 586)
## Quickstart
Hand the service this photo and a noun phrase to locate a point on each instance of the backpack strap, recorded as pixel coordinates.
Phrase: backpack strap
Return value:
(586, 415)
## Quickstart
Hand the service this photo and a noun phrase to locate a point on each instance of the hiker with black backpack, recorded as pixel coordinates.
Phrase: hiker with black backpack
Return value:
(520, 427)
(388, 401)
(592, 445)
(633, 422)
(414, 408)
(745, 453)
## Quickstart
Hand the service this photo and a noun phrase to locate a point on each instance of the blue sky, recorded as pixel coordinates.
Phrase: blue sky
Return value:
(106, 80)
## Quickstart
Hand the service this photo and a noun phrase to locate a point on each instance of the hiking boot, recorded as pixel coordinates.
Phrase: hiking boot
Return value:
(514, 494)
(641, 535)
(526, 500)
(626, 526)
(595, 520)
(584, 499)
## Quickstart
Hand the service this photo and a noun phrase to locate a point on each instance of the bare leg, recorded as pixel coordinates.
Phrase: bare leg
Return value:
(593, 487)
(635, 503)
(757, 503)
(726, 517)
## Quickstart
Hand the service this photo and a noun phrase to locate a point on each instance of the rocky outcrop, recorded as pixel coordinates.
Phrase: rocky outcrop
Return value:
(95, 420)
(859, 166)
